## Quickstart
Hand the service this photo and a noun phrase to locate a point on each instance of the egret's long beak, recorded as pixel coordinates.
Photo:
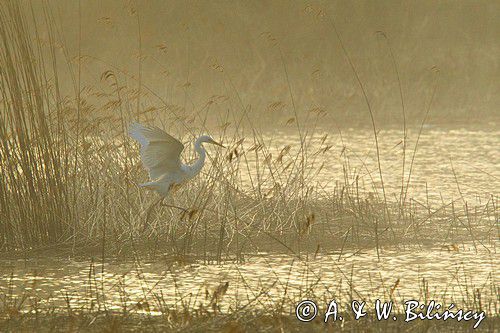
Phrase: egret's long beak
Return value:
(217, 144)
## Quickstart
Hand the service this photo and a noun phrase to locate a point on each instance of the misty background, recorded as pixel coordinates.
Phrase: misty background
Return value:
(239, 53)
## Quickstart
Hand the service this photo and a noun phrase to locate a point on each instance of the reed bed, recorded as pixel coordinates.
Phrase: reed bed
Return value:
(69, 172)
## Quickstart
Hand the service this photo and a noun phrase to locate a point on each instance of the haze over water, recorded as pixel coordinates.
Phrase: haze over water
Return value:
(300, 204)
(449, 164)
(447, 269)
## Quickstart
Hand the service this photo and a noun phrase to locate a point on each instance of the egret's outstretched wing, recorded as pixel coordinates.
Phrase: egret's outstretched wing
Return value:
(160, 152)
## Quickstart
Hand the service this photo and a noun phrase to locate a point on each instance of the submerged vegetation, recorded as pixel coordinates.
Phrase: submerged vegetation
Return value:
(68, 175)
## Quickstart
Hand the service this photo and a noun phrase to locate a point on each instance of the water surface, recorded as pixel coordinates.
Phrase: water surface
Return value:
(449, 164)
(264, 279)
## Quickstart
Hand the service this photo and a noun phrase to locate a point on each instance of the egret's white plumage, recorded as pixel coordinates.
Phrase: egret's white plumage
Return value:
(160, 154)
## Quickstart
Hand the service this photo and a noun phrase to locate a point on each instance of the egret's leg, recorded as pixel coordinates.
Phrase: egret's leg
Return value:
(160, 202)
(172, 206)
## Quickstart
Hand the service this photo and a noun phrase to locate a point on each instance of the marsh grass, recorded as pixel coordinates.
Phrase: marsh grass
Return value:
(69, 174)
(69, 170)
(208, 308)
(255, 322)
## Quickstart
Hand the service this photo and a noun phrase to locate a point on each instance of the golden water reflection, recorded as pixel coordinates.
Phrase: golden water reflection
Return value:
(264, 280)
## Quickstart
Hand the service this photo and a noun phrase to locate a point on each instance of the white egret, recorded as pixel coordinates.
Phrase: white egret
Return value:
(160, 154)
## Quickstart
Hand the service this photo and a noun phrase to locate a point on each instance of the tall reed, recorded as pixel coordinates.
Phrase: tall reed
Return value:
(68, 169)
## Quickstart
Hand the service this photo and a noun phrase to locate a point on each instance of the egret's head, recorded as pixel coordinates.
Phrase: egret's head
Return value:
(208, 139)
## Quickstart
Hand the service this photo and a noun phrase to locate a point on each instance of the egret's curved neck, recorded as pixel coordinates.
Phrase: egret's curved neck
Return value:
(198, 165)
